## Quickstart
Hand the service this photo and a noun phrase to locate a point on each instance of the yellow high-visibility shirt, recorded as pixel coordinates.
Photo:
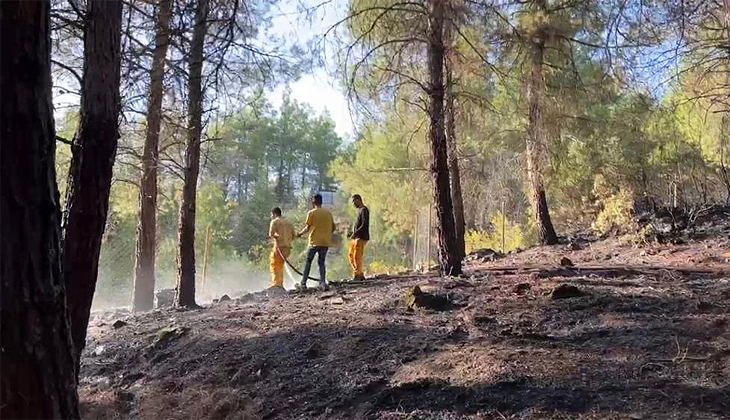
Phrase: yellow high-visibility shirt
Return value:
(285, 231)
(321, 225)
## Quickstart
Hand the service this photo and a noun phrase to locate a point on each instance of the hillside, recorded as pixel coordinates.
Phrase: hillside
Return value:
(647, 337)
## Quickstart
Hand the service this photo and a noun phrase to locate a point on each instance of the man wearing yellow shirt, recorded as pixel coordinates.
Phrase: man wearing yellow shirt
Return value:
(281, 231)
(320, 225)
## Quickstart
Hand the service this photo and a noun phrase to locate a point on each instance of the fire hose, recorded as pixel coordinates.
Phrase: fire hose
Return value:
(278, 251)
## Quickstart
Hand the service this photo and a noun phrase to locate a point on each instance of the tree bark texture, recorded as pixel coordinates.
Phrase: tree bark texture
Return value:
(144, 271)
(452, 144)
(186, 231)
(449, 258)
(93, 152)
(36, 357)
(536, 142)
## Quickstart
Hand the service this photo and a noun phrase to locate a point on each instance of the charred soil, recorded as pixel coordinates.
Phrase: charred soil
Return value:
(637, 332)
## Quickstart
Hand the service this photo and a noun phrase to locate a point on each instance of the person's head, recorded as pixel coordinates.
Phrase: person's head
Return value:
(357, 200)
(317, 200)
(275, 212)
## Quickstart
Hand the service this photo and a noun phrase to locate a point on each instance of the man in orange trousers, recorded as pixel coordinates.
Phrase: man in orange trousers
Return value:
(360, 236)
(281, 231)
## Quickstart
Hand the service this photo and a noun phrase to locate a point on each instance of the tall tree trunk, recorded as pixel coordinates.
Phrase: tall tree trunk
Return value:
(536, 144)
(449, 256)
(144, 270)
(239, 186)
(304, 174)
(38, 371)
(725, 121)
(94, 149)
(280, 179)
(452, 144)
(186, 246)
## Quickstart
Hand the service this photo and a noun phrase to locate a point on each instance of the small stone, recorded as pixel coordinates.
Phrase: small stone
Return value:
(636, 416)
(118, 324)
(483, 319)
(164, 298)
(248, 297)
(224, 298)
(522, 288)
(702, 305)
(566, 291)
(326, 295)
(275, 291)
(415, 298)
(313, 352)
(124, 396)
(566, 262)
(167, 334)
(132, 377)
(719, 323)
(574, 246)
(337, 301)
(484, 255)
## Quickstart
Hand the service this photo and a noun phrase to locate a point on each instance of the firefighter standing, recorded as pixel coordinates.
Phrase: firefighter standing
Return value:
(360, 236)
(282, 233)
(320, 225)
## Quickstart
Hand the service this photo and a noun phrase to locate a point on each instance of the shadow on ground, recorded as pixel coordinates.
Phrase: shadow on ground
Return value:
(657, 349)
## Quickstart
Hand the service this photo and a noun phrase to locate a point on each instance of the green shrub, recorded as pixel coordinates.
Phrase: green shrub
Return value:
(514, 236)
(616, 213)
(379, 267)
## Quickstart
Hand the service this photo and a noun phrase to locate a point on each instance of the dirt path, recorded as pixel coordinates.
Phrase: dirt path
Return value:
(641, 342)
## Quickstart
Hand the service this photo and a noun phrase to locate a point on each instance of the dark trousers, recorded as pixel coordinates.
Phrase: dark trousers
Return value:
(321, 252)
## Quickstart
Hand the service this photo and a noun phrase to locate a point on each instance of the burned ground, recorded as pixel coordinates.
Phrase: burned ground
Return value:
(648, 338)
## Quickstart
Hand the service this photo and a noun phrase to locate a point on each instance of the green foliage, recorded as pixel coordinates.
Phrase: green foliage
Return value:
(387, 162)
(64, 129)
(514, 238)
(610, 147)
(377, 267)
(616, 213)
(250, 235)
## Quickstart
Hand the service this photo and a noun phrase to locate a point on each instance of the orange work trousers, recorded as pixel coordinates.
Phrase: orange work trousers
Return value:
(357, 250)
(277, 266)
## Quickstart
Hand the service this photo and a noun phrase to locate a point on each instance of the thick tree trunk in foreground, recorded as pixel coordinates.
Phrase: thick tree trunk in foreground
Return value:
(186, 246)
(94, 150)
(449, 256)
(144, 271)
(452, 146)
(536, 144)
(38, 378)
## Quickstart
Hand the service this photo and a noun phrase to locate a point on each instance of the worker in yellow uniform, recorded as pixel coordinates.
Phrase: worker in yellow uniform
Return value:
(360, 236)
(320, 225)
(281, 231)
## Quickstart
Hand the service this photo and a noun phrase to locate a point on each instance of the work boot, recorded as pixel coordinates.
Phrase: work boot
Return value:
(302, 287)
(359, 277)
(325, 286)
